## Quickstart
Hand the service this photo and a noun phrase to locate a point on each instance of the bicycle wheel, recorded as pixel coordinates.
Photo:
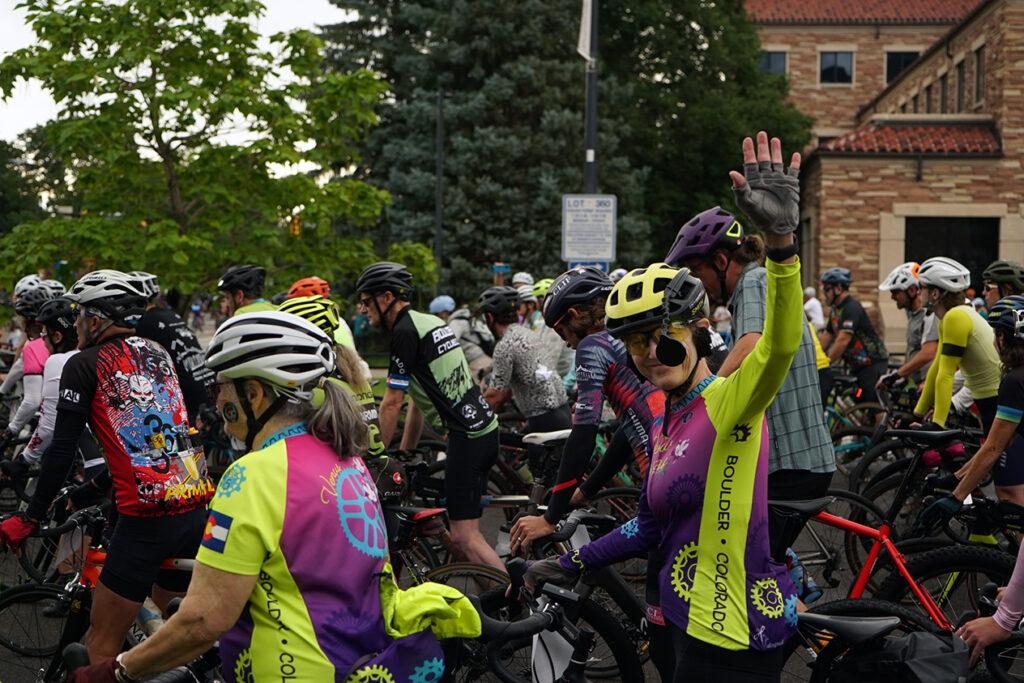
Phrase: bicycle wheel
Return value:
(883, 494)
(832, 556)
(874, 459)
(865, 414)
(813, 653)
(469, 578)
(849, 444)
(28, 637)
(953, 576)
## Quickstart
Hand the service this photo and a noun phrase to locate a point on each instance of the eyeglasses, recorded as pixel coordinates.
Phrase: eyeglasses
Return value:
(990, 286)
(214, 390)
(364, 301)
(638, 343)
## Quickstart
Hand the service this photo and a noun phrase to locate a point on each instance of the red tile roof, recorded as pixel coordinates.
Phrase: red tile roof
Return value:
(918, 138)
(859, 11)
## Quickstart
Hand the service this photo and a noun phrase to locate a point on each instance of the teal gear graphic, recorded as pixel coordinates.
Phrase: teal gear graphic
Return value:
(360, 516)
(791, 613)
(684, 569)
(767, 598)
(430, 671)
(231, 482)
(374, 673)
(243, 667)
(630, 529)
(687, 491)
(740, 433)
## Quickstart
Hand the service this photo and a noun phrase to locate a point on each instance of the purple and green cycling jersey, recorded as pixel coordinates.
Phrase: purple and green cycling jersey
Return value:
(308, 525)
(704, 505)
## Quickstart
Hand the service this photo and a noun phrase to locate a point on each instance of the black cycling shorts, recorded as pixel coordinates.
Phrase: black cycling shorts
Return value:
(1009, 469)
(465, 472)
(139, 546)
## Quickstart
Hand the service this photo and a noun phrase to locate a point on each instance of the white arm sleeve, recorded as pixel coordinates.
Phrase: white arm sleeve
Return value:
(29, 403)
(13, 377)
(43, 435)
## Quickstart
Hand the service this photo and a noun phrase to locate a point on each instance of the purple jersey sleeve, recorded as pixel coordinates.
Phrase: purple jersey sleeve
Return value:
(635, 538)
(594, 356)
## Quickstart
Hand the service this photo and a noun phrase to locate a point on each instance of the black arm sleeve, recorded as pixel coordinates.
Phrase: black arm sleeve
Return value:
(57, 461)
(578, 449)
(616, 456)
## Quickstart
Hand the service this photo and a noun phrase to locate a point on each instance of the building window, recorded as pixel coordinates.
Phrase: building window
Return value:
(928, 99)
(836, 67)
(896, 63)
(961, 87)
(903, 108)
(979, 75)
(943, 93)
(973, 242)
(915, 103)
(773, 62)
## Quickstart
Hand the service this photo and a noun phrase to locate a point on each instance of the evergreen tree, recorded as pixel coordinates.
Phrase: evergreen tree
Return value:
(18, 200)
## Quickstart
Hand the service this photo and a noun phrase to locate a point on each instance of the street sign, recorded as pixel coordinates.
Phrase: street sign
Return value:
(600, 265)
(501, 268)
(588, 227)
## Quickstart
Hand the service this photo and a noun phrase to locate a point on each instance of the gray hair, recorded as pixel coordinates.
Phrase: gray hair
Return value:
(337, 422)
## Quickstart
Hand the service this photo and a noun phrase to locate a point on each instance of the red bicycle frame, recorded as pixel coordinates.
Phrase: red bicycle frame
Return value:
(883, 542)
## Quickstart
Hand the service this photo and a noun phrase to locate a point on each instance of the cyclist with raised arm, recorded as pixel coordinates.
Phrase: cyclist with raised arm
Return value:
(243, 289)
(164, 326)
(426, 358)
(849, 334)
(729, 607)
(575, 309)
(289, 574)
(966, 343)
(126, 389)
(922, 325)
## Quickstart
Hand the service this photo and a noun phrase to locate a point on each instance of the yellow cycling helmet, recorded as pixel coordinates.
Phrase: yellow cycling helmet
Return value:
(541, 287)
(316, 309)
(637, 300)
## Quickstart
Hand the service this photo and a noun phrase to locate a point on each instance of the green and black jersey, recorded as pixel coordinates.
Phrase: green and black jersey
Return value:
(425, 355)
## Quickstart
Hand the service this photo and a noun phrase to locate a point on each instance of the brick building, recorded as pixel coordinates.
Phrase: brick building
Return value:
(926, 164)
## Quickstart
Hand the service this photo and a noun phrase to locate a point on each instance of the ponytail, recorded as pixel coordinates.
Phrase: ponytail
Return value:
(338, 422)
(751, 251)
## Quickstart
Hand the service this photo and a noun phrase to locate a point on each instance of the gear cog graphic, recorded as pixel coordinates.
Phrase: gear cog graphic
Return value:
(740, 433)
(767, 598)
(687, 491)
(232, 481)
(430, 671)
(243, 667)
(791, 613)
(371, 674)
(683, 570)
(630, 529)
(360, 515)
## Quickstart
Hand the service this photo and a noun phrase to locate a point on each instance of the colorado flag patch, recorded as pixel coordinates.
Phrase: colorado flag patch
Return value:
(216, 535)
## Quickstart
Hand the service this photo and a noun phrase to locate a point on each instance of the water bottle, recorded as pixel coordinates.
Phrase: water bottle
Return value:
(805, 583)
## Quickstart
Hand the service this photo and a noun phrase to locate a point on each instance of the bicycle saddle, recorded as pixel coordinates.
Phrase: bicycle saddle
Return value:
(925, 437)
(804, 507)
(844, 379)
(541, 438)
(853, 630)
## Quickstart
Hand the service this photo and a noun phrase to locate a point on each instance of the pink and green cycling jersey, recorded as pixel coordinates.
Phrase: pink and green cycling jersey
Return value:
(308, 525)
(704, 505)
(34, 356)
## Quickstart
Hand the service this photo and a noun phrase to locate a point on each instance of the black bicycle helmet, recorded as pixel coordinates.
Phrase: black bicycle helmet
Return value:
(837, 276)
(29, 302)
(118, 296)
(686, 301)
(247, 278)
(1005, 273)
(58, 314)
(577, 286)
(499, 301)
(386, 276)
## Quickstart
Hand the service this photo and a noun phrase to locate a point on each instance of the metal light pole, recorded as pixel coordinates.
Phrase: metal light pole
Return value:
(590, 141)
(439, 184)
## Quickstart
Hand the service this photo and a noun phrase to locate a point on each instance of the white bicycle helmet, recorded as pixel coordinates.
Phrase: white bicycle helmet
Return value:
(116, 295)
(286, 351)
(526, 294)
(902, 277)
(944, 273)
(55, 287)
(148, 282)
(26, 283)
(522, 278)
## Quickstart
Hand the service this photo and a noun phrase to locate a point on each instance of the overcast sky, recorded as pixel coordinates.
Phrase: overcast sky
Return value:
(30, 105)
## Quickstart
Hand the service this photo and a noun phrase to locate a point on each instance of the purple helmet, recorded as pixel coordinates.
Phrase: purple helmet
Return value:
(707, 231)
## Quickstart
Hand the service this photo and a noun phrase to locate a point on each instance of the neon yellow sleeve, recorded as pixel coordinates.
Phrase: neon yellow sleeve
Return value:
(924, 403)
(953, 339)
(247, 514)
(751, 389)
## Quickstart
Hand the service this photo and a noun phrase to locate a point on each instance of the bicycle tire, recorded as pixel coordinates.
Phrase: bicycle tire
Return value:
(28, 640)
(861, 472)
(460, 574)
(864, 414)
(849, 444)
(958, 563)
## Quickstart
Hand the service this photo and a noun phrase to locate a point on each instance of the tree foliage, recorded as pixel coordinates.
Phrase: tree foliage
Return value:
(18, 199)
(679, 88)
(183, 137)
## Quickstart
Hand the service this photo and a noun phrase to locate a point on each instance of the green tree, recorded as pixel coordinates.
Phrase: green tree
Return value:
(191, 147)
(18, 200)
(514, 129)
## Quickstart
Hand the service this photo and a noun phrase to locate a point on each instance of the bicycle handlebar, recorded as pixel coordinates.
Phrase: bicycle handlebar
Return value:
(79, 518)
(496, 632)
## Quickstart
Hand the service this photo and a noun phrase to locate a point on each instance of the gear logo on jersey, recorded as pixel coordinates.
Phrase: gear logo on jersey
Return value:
(215, 537)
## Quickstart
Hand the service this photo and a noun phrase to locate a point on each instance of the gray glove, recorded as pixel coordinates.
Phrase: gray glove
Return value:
(770, 197)
(547, 570)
